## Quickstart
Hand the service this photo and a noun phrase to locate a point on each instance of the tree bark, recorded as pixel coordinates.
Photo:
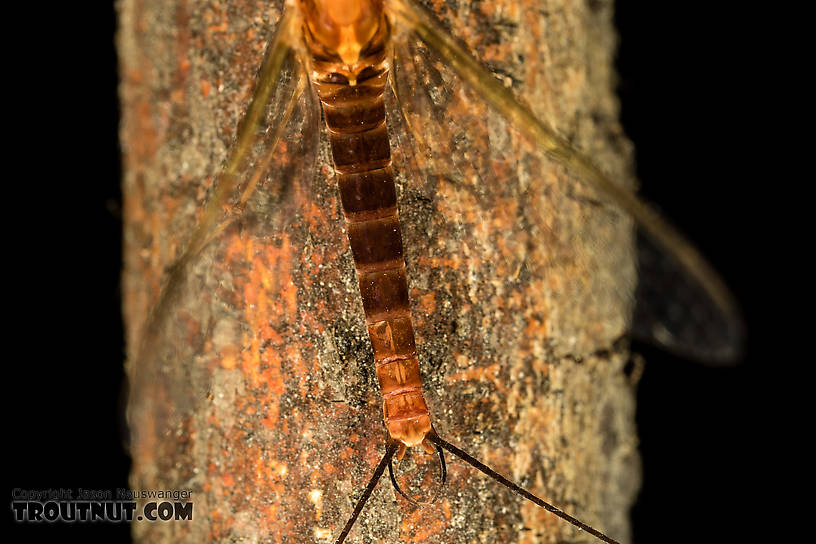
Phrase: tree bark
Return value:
(258, 391)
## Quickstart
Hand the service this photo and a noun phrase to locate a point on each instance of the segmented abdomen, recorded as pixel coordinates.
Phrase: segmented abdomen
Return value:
(355, 116)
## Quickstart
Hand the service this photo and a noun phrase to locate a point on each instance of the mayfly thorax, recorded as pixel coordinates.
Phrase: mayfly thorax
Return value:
(427, 251)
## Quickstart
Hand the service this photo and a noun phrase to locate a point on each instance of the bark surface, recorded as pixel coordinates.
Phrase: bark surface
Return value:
(257, 390)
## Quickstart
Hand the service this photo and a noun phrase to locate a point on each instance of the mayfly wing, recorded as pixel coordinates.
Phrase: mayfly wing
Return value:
(675, 312)
(532, 227)
(708, 325)
(271, 157)
(424, 93)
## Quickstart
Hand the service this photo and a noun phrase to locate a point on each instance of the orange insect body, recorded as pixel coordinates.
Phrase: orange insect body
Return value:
(344, 27)
(347, 41)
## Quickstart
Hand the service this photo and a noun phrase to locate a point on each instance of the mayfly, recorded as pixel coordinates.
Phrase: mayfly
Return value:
(352, 55)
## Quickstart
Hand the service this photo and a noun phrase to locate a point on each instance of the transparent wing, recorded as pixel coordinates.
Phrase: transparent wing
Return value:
(525, 229)
(274, 150)
(682, 303)
(675, 311)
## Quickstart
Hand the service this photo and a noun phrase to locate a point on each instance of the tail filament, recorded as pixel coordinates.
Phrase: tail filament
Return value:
(441, 444)
(467, 458)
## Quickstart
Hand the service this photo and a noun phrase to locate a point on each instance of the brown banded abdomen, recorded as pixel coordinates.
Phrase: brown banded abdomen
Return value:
(355, 117)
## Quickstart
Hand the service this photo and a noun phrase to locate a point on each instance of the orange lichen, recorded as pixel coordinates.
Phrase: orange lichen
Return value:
(422, 524)
(536, 328)
(183, 66)
(440, 262)
(229, 356)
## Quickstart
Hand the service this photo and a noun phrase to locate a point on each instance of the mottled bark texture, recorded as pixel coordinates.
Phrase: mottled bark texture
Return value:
(257, 390)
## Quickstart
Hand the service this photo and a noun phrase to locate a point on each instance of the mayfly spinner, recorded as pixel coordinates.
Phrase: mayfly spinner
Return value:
(344, 53)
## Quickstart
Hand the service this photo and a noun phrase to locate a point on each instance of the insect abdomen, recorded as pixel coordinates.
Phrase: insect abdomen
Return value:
(355, 117)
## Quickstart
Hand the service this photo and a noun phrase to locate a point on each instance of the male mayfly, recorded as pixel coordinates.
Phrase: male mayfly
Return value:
(358, 57)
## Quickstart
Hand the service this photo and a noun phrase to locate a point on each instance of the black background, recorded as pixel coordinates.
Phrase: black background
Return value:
(687, 72)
